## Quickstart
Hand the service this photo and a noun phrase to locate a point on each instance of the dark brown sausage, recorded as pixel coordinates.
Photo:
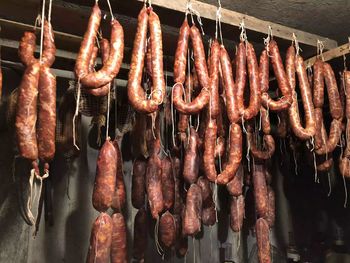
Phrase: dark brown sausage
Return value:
(138, 186)
(237, 213)
(167, 230)
(168, 184)
(119, 197)
(191, 159)
(282, 127)
(180, 63)
(263, 240)
(118, 246)
(100, 239)
(154, 184)
(191, 223)
(46, 127)
(140, 234)
(206, 191)
(178, 202)
(105, 179)
(209, 214)
(260, 190)
(234, 187)
(26, 115)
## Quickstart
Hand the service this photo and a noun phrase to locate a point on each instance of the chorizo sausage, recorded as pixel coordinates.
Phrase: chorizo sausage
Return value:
(214, 103)
(296, 63)
(241, 76)
(180, 62)
(26, 114)
(100, 239)
(183, 122)
(26, 49)
(269, 146)
(237, 213)
(209, 214)
(105, 179)
(285, 101)
(191, 223)
(138, 186)
(263, 241)
(46, 127)
(325, 165)
(136, 94)
(265, 121)
(140, 234)
(229, 86)
(333, 92)
(49, 50)
(270, 215)
(206, 191)
(347, 89)
(168, 184)
(167, 230)
(154, 185)
(176, 169)
(119, 196)
(260, 190)
(191, 159)
(234, 157)
(318, 84)
(234, 187)
(118, 245)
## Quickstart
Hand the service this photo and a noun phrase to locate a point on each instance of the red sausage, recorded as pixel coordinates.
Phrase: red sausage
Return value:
(235, 186)
(100, 240)
(181, 53)
(191, 159)
(118, 246)
(167, 229)
(260, 190)
(206, 191)
(138, 186)
(209, 214)
(263, 241)
(237, 213)
(168, 184)
(191, 223)
(119, 196)
(105, 179)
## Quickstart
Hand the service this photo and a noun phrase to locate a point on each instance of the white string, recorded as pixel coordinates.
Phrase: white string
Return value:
(320, 47)
(149, 3)
(42, 29)
(218, 15)
(197, 14)
(268, 39)
(110, 9)
(76, 113)
(49, 14)
(243, 34)
(296, 44)
(108, 106)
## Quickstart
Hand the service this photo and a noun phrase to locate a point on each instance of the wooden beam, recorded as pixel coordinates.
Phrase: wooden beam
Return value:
(331, 54)
(258, 25)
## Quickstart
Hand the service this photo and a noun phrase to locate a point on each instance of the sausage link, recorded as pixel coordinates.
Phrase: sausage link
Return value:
(154, 185)
(325, 166)
(263, 240)
(149, 57)
(158, 80)
(26, 49)
(136, 94)
(282, 80)
(176, 169)
(234, 158)
(26, 114)
(168, 184)
(87, 45)
(254, 83)
(241, 76)
(237, 210)
(229, 86)
(347, 92)
(105, 49)
(191, 223)
(265, 121)
(105, 179)
(214, 105)
(344, 167)
(118, 246)
(264, 71)
(138, 186)
(235, 186)
(167, 230)
(46, 127)
(296, 63)
(260, 190)
(140, 235)
(181, 53)
(209, 214)
(100, 239)
(119, 197)
(182, 124)
(269, 146)
(191, 159)
(206, 191)
(318, 84)
(271, 208)
(49, 49)
(333, 93)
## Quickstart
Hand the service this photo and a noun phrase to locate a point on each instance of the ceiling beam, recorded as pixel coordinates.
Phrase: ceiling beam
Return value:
(234, 18)
(330, 54)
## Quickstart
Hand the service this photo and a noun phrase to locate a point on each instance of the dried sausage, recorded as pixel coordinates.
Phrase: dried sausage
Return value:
(138, 186)
(209, 214)
(49, 50)
(168, 184)
(140, 234)
(270, 215)
(214, 103)
(333, 93)
(263, 241)
(181, 53)
(206, 191)
(318, 84)
(26, 49)
(191, 223)
(234, 187)
(237, 213)
(118, 246)
(105, 179)
(191, 159)
(119, 196)
(167, 230)
(260, 190)
(100, 240)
